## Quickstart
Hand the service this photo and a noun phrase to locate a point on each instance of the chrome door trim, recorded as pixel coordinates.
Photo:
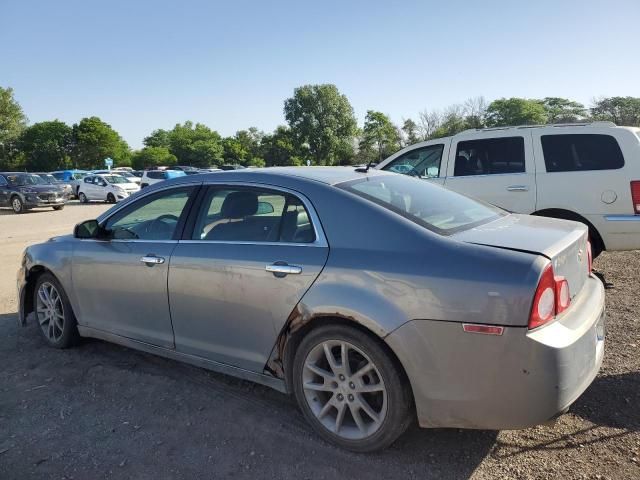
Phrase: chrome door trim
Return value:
(284, 269)
(267, 380)
(152, 259)
(622, 218)
(518, 188)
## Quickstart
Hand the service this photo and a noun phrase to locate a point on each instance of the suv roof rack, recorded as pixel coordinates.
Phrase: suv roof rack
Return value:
(556, 125)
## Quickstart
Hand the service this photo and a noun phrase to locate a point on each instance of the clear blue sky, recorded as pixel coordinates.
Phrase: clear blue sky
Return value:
(142, 65)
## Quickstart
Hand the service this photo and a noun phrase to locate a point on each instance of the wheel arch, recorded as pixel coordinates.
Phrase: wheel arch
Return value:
(280, 363)
(565, 214)
(31, 278)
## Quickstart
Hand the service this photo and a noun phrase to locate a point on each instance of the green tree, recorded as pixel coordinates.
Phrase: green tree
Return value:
(380, 137)
(451, 121)
(563, 110)
(46, 145)
(95, 140)
(12, 122)
(620, 110)
(515, 111)
(196, 145)
(158, 138)
(411, 132)
(244, 148)
(322, 119)
(150, 157)
(280, 149)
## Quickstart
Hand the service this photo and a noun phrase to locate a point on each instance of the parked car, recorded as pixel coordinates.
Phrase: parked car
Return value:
(24, 191)
(232, 167)
(372, 297)
(150, 177)
(51, 180)
(109, 188)
(72, 177)
(589, 173)
(124, 173)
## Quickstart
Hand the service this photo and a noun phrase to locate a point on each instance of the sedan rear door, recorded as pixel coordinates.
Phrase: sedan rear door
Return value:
(248, 256)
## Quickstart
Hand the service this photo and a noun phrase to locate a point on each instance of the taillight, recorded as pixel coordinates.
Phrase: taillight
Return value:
(563, 296)
(544, 301)
(552, 297)
(635, 196)
(589, 258)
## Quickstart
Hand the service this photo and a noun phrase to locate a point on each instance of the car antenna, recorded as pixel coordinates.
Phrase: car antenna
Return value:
(365, 169)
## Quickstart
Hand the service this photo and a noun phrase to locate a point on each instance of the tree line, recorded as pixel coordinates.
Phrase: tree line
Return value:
(321, 129)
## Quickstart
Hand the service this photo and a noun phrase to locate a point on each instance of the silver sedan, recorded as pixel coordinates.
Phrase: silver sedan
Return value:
(375, 298)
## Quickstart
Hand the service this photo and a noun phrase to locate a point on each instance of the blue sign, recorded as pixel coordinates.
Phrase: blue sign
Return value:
(108, 162)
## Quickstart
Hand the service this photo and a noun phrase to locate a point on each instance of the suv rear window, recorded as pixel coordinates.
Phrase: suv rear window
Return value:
(431, 206)
(490, 156)
(580, 152)
(156, 175)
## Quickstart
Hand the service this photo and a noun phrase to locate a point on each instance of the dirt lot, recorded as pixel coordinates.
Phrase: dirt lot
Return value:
(102, 411)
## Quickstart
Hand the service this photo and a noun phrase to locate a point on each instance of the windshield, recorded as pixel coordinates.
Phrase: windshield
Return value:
(24, 179)
(115, 179)
(424, 203)
(47, 177)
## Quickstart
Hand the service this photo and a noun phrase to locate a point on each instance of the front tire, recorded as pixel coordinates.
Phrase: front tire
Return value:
(55, 317)
(17, 205)
(82, 197)
(58, 207)
(350, 389)
(111, 198)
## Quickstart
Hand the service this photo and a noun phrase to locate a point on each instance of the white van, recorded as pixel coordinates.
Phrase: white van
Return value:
(588, 172)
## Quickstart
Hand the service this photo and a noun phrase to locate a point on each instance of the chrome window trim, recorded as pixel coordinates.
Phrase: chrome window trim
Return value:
(489, 175)
(622, 218)
(321, 239)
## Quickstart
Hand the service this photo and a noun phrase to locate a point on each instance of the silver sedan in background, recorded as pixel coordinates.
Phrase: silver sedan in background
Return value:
(375, 298)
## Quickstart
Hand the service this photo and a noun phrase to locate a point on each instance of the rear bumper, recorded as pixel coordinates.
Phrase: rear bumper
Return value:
(619, 232)
(517, 380)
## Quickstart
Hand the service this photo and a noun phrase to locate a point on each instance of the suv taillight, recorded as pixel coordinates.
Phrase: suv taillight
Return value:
(635, 196)
(552, 297)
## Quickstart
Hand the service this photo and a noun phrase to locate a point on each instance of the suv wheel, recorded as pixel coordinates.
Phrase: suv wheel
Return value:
(350, 389)
(17, 205)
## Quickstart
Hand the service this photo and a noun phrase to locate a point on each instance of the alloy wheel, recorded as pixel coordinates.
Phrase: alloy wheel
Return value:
(344, 390)
(17, 205)
(50, 312)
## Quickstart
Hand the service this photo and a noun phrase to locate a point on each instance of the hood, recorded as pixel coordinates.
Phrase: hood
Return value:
(41, 188)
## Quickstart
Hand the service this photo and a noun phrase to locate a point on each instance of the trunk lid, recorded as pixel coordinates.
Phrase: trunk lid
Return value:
(562, 241)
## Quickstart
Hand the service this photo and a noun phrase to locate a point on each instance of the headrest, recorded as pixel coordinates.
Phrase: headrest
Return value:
(239, 205)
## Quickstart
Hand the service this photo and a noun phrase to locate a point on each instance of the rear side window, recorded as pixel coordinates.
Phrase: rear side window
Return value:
(156, 175)
(59, 176)
(490, 156)
(574, 153)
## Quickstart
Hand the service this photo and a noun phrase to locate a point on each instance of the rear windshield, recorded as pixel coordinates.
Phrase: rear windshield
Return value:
(431, 206)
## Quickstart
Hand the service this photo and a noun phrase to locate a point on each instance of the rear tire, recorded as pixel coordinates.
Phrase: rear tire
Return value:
(58, 207)
(82, 197)
(56, 321)
(17, 205)
(361, 412)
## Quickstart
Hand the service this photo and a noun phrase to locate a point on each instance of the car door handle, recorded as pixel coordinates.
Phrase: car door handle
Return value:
(152, 260)
(283, 269)
(518, 188)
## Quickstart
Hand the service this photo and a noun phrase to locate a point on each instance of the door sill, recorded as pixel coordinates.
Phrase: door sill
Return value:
(267, 380)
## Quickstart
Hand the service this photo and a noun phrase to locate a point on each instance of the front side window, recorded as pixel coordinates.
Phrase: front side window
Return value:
(579, 152)
(25, 180)
(252, 215)
(2, 180)
(150, 218)
(435, 208)
(421, 162)
(490, 156)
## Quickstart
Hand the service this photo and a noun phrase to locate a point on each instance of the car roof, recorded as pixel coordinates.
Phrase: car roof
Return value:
(327, 175)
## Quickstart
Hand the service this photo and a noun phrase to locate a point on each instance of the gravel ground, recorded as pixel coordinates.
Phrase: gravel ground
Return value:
(102, 411)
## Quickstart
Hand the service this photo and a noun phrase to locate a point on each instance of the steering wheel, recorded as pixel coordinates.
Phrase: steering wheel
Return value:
(158, 225)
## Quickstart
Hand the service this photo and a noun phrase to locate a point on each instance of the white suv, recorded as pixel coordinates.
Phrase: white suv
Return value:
(587, 172)
(106, 187)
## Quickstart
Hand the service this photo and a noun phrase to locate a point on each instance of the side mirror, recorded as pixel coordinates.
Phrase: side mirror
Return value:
(88, 229)
(433, 171)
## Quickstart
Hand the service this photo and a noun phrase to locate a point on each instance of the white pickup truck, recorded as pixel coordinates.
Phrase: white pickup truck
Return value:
(588, 172)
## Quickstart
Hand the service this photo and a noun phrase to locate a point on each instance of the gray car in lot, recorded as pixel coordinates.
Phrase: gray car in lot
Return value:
(375, 298)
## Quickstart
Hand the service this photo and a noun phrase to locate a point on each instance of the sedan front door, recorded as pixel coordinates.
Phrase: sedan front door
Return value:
(250, 255)
(121, 281)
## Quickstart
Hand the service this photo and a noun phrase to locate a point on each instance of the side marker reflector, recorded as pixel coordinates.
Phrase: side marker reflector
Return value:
(483, 329)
